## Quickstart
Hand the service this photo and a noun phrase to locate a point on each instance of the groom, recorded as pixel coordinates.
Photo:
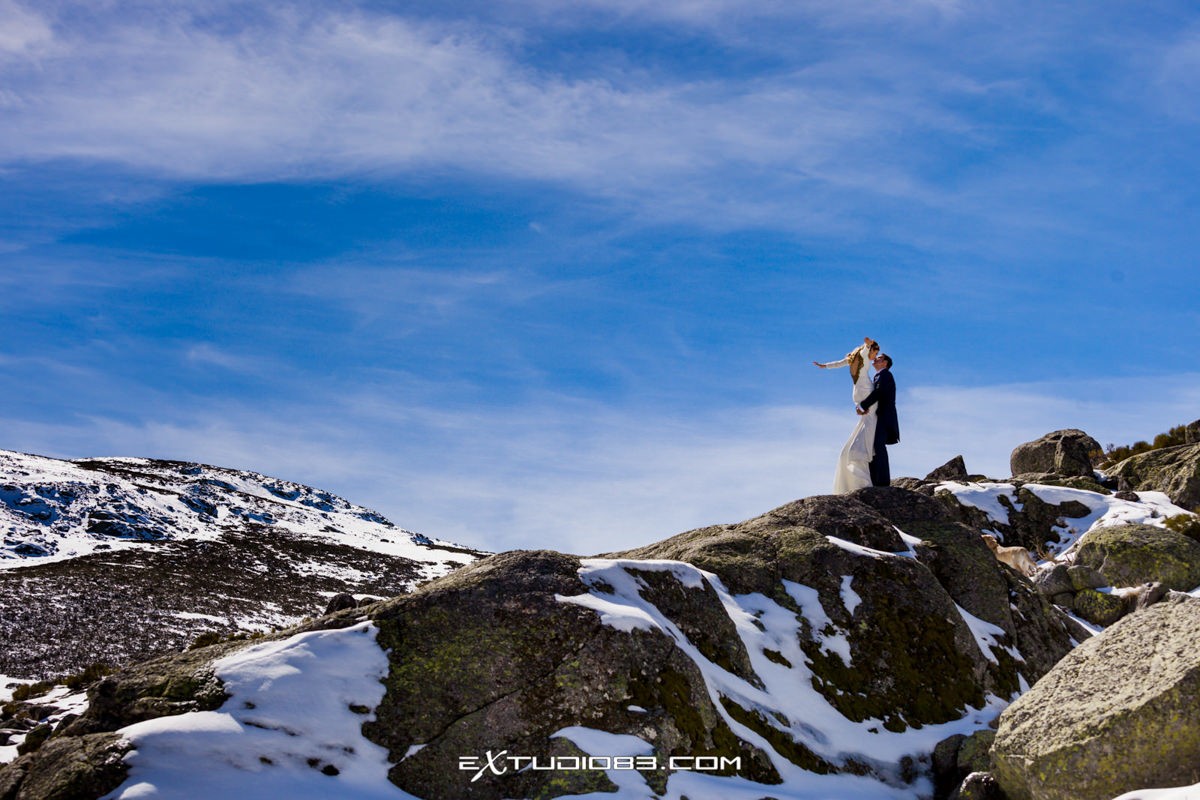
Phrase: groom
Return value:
(887, 426)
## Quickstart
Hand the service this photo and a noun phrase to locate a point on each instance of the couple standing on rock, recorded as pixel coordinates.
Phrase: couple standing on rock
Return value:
(864, 459)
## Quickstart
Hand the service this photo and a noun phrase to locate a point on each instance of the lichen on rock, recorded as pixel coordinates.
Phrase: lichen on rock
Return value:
(1130, 555)
(1107, 719)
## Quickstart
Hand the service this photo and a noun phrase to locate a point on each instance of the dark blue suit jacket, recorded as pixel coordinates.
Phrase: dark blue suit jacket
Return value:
(884, 393)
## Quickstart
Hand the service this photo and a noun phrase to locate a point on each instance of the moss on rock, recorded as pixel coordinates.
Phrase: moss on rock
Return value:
(700, 616)
(1130, 555)
(1099, 608)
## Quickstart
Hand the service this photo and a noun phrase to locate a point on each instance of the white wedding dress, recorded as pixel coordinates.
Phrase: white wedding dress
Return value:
(853, 467)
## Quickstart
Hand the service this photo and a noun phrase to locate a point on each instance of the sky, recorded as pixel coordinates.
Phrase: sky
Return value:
(547, 275)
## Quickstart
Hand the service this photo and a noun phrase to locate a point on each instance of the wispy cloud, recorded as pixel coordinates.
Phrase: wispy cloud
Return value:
(832, 118)
(371, 292)
(284, 94)
(21, 31)
(204, 354)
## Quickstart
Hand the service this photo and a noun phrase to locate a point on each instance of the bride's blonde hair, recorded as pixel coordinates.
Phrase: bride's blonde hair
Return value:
(856, 359)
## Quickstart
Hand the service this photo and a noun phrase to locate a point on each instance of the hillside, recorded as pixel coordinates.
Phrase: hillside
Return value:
(110, 560)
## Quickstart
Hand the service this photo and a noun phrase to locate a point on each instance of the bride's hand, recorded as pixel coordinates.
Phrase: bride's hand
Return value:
(818, 364)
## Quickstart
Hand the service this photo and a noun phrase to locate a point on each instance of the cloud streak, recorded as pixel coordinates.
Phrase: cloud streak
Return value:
(287, 95)
(584, 477)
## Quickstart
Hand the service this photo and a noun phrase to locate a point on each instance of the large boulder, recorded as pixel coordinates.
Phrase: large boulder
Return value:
(970, 574)
(835, 515)
(1109, 719)
(1130, 555)
(892, 657)
(67, 768)
(1066, 452)
(1172, 470)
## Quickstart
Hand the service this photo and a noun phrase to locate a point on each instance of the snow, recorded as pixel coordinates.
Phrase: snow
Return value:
(910, 541)
(204, 617)
(687, 784)
(45, 504)
(8, 685)
(629, 783)
(1152, 508)
(1178, 793)
(614, 613)
(1090, 627)
(63, 700)
(987, 636)
(985, 497)
(831, 638)
(287, 724)
(850, 598)
(787, 699)
(858, 549)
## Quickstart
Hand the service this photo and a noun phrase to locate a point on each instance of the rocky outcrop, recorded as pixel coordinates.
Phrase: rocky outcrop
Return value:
(970, 574)
(1131, 555)
(1028, 520)
(953, 470)
(846, 517)
(491, 659)
(717, 642)
(903, 632)
(1174, 471)
(1066, 452)
(956, 758)
(1078, 587)
(68, 768)
(1108, 719)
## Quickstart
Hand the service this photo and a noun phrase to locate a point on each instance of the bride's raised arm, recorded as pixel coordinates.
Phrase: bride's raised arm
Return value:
(832, 364)
(861, 350)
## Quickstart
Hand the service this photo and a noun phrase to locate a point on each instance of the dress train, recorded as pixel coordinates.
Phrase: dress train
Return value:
(854, 463)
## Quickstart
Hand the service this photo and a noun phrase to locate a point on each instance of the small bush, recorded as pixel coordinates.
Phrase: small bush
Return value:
(204, 640)
(1180, 434)
(1187, 524)
(29, 690)
(89, 675)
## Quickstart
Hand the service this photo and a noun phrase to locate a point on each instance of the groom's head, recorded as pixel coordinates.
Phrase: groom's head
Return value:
(882, 361)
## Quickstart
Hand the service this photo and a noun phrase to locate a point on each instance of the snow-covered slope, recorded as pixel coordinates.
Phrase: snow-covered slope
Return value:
(52, 509)
(112, 560)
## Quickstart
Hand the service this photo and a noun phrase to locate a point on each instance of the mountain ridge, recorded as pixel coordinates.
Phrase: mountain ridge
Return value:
(107, 560)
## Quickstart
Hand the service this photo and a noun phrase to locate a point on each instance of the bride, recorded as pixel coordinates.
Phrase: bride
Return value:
(853, 467)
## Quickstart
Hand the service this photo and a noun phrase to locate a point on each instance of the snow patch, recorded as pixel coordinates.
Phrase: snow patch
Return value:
(850, 598)
(287, 729)
(787, 700)
(985, 497)
(987, 636)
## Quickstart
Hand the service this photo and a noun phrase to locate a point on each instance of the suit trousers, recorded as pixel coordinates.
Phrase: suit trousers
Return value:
(881, 470)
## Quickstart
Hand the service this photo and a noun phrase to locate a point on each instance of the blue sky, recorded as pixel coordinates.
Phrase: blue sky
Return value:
(552, 275)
